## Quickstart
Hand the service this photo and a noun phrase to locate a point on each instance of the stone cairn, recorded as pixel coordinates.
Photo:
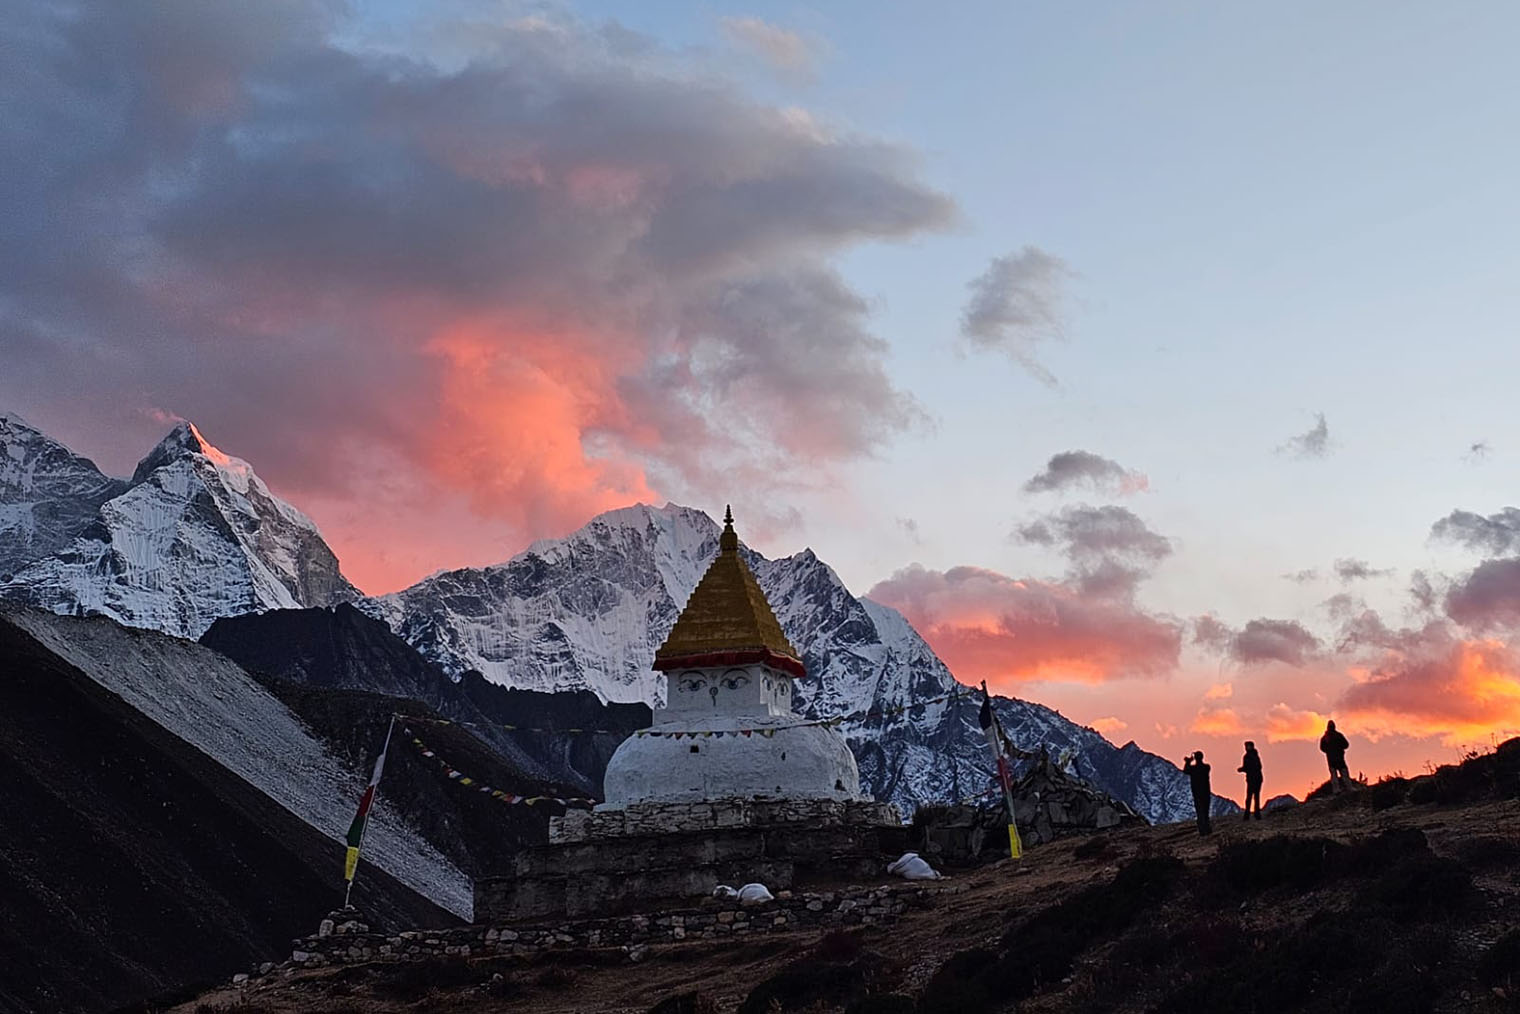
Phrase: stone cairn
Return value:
(1048, 804)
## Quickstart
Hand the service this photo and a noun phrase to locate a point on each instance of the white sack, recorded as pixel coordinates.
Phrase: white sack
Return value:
(911, 867)
(754, 894)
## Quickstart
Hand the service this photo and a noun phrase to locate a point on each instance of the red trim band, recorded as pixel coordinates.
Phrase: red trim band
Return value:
(744, 656)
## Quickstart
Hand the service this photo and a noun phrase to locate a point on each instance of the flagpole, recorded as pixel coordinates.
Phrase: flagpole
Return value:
(997, 741)
(365, 828)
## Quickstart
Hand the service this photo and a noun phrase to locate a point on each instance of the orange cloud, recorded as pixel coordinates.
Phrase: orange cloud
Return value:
(1286, 724)
(1217, 722)
(1462, 691)
(517, 416)
(989, 626)
(1109, 725)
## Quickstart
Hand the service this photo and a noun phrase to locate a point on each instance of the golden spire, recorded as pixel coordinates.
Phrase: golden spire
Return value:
(727, 620)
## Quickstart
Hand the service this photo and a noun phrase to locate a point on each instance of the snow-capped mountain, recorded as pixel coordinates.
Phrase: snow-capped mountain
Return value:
(49, 496)
(193, 535)
(588, 611)
(581, 613)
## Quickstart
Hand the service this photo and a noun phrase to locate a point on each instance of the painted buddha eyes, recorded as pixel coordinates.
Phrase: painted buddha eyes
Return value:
(695, 683)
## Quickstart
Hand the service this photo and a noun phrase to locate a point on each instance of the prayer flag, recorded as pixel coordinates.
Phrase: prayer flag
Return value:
(356, 829)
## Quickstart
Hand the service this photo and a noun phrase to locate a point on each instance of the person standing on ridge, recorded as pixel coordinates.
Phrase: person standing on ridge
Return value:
(1198, 773)
(1334, 746)
(1251, 765)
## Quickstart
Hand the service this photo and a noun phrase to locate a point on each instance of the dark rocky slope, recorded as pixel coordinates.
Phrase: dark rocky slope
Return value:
(132, 863)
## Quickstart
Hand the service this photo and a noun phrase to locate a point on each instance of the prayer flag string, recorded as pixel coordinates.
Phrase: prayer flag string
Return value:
(501, 795)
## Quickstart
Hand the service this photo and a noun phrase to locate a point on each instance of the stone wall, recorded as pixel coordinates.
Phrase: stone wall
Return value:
(637, 872)
(344, 938)
(719, 814)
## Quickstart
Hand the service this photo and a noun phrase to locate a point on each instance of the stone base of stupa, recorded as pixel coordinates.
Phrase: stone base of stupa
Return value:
(646, 855)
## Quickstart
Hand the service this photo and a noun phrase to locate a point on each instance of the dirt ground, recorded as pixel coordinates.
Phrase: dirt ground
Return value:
(973, 909)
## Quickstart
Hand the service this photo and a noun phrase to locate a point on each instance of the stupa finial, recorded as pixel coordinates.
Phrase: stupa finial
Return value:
(728, 542)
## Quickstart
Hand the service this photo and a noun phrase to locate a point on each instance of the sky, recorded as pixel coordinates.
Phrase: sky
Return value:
(1156, 361)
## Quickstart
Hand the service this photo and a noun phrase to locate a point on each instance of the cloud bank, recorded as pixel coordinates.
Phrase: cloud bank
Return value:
(1083, 627)
(560, 275)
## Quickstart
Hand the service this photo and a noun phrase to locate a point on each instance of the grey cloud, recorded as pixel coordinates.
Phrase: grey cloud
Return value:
(1212, 633)
(1494, 535)
(1343, 606)
(1084, 468)
(1087, 532)
(1302, 576)
(1422, 591)
(1260, 641)
(1017, 304)
(1110, 548)
(1286, 641)
(1489, 597)
(1311, 444)
(1349, 569)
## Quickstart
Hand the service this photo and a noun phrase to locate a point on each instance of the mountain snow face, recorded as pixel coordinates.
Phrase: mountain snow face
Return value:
(193, 536)
(581, 613)
(588, 611)
(49, 496)
(209, 702)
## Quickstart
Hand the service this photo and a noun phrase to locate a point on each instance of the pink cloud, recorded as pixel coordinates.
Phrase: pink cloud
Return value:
(989, 626)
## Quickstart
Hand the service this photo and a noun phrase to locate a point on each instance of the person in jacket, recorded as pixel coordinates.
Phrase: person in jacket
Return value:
(1334, 746)
(1250, 764)
(1198, 773)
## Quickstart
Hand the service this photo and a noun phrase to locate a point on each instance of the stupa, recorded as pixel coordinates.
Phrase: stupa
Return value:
(727, 729)
(727, 785)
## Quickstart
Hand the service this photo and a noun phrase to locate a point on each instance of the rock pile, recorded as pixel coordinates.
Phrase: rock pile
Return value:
(1048, 804)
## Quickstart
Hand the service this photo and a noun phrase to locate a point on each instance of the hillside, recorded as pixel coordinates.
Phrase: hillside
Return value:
(1403, 897)
(342, 648)
(209, 702)
(132, 862)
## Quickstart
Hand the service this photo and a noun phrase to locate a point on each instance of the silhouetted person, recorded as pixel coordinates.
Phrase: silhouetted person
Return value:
(1251, 765)
(1334, 746)
(1198, 773)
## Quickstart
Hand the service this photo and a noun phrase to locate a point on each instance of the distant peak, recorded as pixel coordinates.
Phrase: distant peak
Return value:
(184, 436)
(182, 441)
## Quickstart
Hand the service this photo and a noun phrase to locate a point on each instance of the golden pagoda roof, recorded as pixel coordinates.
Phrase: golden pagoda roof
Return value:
(727, 620)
